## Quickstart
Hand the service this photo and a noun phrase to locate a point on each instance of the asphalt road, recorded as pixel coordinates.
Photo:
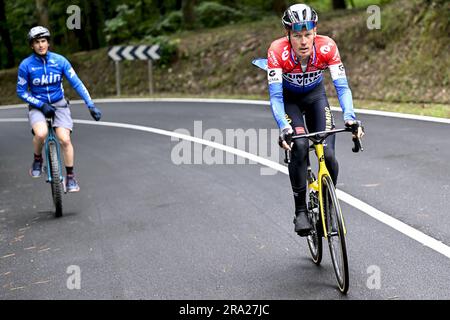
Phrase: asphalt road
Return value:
(143, 227)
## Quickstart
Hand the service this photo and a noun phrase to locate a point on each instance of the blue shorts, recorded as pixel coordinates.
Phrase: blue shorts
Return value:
(63, 117)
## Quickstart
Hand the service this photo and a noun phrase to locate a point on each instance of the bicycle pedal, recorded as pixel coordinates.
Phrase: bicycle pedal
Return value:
(333, 234)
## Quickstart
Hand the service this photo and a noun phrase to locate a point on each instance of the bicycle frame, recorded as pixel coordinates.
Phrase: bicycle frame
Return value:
(52, 137)
(317, 139)
(317, 185)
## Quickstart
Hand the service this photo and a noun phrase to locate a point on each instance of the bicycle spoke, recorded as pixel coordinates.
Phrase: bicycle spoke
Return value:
(56, 184)
(314, 240)
(336, 240)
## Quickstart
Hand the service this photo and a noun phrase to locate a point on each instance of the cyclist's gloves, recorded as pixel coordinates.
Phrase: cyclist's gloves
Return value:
(354, 124)
(48, 110)
(286, 135)
(95, 112)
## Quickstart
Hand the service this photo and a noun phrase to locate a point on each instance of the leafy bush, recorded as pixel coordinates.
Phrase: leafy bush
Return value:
(212, 14)
(168, 49)
(120, 28)
(170, 23)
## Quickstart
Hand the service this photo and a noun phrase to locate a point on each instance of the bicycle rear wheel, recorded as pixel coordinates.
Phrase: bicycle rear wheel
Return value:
(56, 183)
(336, 236)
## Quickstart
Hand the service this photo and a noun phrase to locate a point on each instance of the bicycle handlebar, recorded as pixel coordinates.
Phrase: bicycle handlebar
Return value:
(318, 137)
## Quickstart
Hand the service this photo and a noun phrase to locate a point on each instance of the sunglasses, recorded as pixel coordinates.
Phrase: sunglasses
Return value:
(299, 26)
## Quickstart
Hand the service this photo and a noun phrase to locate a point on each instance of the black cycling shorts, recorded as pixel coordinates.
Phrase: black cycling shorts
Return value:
(315, 108)
(306, 113)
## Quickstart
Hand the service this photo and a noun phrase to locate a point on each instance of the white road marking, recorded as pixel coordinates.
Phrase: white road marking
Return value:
(396, 224)
(354, 202)
(249, 102)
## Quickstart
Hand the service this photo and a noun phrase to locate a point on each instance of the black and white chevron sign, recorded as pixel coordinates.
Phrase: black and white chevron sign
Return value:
(142, 52)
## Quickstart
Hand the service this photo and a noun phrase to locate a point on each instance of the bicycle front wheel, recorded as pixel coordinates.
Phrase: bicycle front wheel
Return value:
(56, 183)
(335, 230)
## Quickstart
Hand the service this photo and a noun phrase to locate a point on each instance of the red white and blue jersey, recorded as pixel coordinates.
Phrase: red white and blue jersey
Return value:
(284, 71)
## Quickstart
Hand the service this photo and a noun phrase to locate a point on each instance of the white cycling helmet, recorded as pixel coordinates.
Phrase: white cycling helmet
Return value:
(38, 32)
(299, 16)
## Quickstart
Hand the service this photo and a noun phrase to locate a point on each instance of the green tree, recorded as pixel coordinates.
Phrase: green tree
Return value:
(178, 5)
(42, 12)
(5, 37)
(160, 4)
(188, 13)
(339, 4)
(279, 6)
(95, 22)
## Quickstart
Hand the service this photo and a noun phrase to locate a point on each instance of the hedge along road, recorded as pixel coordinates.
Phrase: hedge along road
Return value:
(145, 227)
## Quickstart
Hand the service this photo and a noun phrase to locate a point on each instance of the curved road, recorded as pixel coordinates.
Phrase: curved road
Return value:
(143, 227)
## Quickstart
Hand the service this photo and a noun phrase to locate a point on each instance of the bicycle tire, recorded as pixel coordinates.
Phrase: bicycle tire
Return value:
(56, 183)
(314, 240)
(336, 236)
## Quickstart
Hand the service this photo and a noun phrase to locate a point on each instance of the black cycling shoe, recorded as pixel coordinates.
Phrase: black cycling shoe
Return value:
(302, 225)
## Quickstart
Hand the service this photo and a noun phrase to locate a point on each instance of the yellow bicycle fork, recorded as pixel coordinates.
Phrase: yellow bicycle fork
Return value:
(317, 186)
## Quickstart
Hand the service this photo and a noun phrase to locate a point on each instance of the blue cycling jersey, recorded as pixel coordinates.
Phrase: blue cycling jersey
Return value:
(43, 76)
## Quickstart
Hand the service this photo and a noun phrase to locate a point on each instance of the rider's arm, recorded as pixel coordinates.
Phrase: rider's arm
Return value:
(76, 83)
(275, 79)
(22, 88)
(341, 84)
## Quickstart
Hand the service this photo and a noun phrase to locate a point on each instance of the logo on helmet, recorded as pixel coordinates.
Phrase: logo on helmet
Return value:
(299, 13)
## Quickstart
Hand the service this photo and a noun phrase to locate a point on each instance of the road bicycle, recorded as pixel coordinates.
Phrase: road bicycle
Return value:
(324, 211)
(54, 168)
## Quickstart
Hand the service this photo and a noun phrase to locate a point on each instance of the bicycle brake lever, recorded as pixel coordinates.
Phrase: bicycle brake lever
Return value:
(357, 145)
(287, 159)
